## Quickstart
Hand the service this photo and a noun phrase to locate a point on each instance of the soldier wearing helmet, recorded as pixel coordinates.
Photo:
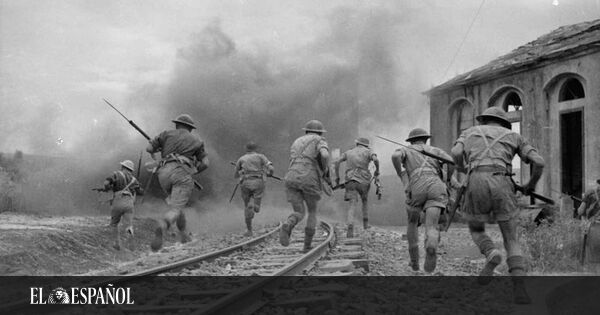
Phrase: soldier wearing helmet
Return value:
(487, 151)
(182, 155)
(124, 187)
(357, 180)
(251, 169)
(304, 181)
(426, 193)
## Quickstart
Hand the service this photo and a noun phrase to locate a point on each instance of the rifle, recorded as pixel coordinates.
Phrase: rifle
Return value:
(379, 190)
(272, 176)
(431, 155)
(455, 205)
(532, 194)
(139, 165)
(339, 186)
(234, 190)
(134, 125)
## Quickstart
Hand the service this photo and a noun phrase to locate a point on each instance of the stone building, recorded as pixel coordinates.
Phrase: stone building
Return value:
(551, 90)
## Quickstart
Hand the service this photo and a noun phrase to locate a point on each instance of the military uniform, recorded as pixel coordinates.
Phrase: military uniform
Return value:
(125, 187)
(590, 203)
(304, 181)
(357, 180)
(488, 151)
(426, 194)
(251, 169)
(182, 154)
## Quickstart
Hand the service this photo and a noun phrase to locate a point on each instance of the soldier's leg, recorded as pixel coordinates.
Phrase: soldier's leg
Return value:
(432, 216)
(412, 234)
(515, 260)
(364, 194)
(248, 211)
(128, 224)
(351, 195)
(311, 222)
(295, 197)
(115, 217)
(486, 247)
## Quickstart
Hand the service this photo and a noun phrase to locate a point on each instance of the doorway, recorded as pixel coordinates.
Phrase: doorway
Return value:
(572, 148)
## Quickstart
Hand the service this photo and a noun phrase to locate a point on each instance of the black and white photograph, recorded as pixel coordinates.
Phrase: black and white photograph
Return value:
(300, 157)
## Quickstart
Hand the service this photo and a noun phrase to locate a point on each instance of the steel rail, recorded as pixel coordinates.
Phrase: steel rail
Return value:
(249, 297)
(160, 269)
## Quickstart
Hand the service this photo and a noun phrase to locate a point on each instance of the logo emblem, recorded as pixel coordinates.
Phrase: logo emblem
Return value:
(59, 296)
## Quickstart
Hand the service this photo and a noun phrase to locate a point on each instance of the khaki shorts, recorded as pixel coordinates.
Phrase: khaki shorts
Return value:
(356, 190)
(122, 207)
(176, 182)
(425, 193)
(489, 198)
(298, 192)
(252, 188)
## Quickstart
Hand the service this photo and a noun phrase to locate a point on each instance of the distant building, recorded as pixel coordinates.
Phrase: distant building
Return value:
(551, 89)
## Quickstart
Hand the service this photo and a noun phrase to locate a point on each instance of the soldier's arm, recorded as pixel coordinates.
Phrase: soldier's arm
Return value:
(457, 153)
(397, 158)
(581, 209)
(203, 158)
(530, 156)
(269, 166)
(154, 145)
(324, 159)
(238, 168)
(336, 167)
(376, 162)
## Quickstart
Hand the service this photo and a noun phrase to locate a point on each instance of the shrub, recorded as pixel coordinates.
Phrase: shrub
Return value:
(553, 247)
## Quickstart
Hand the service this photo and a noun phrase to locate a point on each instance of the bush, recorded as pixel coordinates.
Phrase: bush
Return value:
(553, 247)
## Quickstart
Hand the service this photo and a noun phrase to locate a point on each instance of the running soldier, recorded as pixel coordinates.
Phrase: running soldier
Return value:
(426, 193)
(304, 181)
(358, 180)
(124, 187)
(488, 150)
(251, 168)
(182, 155)
(590, 203)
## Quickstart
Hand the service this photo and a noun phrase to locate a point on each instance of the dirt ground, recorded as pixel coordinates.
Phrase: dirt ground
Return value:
(57, 245)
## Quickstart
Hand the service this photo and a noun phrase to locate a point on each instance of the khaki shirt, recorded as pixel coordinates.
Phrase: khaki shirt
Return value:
(304, 159)
(417, 164)
(476, 141)
(357, 164)
(252, 164)
(180, 142)
(120, 179)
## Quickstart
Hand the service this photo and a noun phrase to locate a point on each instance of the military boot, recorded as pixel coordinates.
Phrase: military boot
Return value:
(116, 237)
(414, 258)
(160, 229)
(308, 236)
(493, 259)
(430, 259)
(516, 268)
(284, 233)
(520, 292)
(350, 231)
(366, 224)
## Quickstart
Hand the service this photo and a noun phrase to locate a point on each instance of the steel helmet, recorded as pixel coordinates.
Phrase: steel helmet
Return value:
(362, 141)
(496, 113)
(417, 133)
(185, 119)
(314, 126)
(128, 165)
(251, 146)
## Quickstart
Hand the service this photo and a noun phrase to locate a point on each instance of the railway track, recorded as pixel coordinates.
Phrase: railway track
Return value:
(260, 256)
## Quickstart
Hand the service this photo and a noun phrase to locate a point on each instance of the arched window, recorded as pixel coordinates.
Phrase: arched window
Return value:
(512, 102)
(462, 117)
(572, 89)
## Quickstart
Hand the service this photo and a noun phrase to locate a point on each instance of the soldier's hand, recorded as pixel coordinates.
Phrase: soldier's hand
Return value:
(376, 173)
(528, 188)
(337, 181)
